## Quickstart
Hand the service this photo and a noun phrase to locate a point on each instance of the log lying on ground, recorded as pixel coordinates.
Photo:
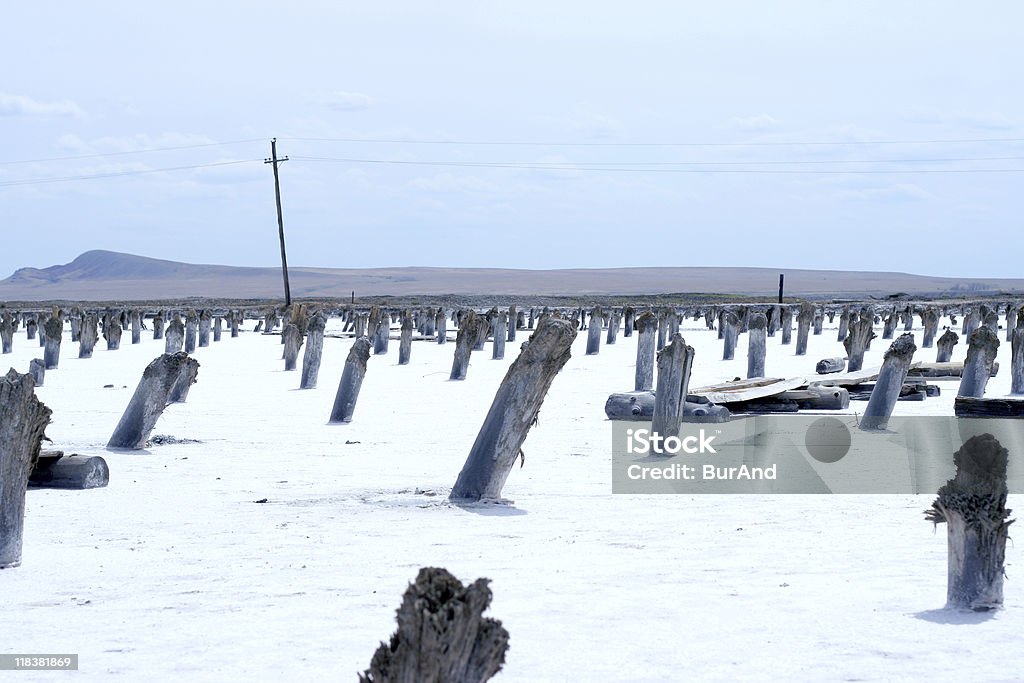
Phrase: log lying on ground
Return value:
(827, 366)
(53, 333)
(639, 405)
(890, 381)
(981, 354)
(675, 362)
(314, 350)
(292, 344)
(968, 406)
(351, 381)
(513, 411)
(75, 472)
(949, 370)
(150, 399)
(646, 326)
(442, 636)
(23, 419)
(973, 506)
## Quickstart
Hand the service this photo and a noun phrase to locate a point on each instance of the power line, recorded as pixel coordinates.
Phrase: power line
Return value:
(532, 143)
(118, 174)
(122, 153)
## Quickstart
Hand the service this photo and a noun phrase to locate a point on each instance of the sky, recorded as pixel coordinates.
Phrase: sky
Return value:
(857, 136)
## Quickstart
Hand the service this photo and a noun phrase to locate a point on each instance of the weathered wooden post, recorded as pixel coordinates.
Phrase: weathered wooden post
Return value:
(483, 330)
(218, 328)
(37, 368)
(513, 322)
(405, 342)
(441, 326)
(87, 336)
(844, 323)
(786, 324)
(973, 506)
(646, 326)
(151, 397)
(382, 334)
(908, 319)
(23, 419)
(857, 341)
(442, 636)
(514, 409)
(112, 333)
(895, 365)
(991, 321)
(1017, 358)
(233, 321)
(819, 321)
(30, 328)
(6, 334)
(76, 321)
(292, 344)
(191, 328)
(500, 335)
(674, 364)
(136, 326)
(930, 321)
(351, 381)
(983, 346)
(314, 350)
(719, 323)
(464, 344)
(728, 324)
(972, 321)
(53, 332)
(186, 378)
(944, 347)
(803, 326)
(158, 327)
(773, 313)
(204, 327)
(1011, 320)
(613, 326)
(628, 317)
(757, 343)
(175, 335)
(594, 333)
(891, 320)
(42, 333)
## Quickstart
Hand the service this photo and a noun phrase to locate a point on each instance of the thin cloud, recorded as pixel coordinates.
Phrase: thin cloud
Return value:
(23, 105)
(344, 101)
(759, 123)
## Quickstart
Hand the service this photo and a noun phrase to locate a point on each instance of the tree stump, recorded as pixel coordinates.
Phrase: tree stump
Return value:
(23, 419)
(37, 368)
(674, 364)
(405, 342)
(464, 345)
(174, 337)
(973, 506)
(514, 409)
(53, 332)
(314, 350)
(292, 343)
(442, 636)
(646, 325)
(981, 353)
(891, 377)
(151, 397)
(351, 381)
(500, 335)
(594, 333)
(757, 345)
(857, 340)
(803, 327)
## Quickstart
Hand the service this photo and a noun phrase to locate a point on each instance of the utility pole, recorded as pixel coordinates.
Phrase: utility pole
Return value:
(280, 218)
(782, 276)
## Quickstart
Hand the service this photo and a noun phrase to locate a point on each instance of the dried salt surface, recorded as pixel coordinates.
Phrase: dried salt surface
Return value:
(173, 572)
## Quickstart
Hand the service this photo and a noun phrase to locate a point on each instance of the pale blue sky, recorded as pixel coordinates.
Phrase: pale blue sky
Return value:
(101, 78)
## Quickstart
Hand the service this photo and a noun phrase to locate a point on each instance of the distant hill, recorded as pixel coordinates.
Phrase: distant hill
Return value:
(108, 275)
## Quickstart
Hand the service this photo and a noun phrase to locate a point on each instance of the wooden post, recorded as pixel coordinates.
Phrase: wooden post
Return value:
(1011, 320)
(944, 347)
(646, 327)
(483, 330)
(292, 344)
(441, 325)
(37, 368)
(981, 353)
(844, 323)
(972, 321)
(351, 381)
(930, 321)
(804, 319)
(158, 327)
(151, 397)
(204, 327)
(613, 326)
(890, 381)
(53, 332)
(76, 321)
(594, 333)
(1017, 358)
(42, 333)
(786, 323)
(674, 364)
(773, 314)
(757, 343)
(175, 336)
(501, 327)
(314, 350)
(23, 419)
(87, 336)
(628, 317)
(819, 321)
(234, 320)
(218, 328)
(513, 411)
(186, 378)
(973, 506)
(442, 636)
(891, 320)
(857, 341)
(31, 327)
(464, 345)
(728, 325)
(382, 334)
(191, 328)
(112, 333)
(6, 334)
(405, 344)
(512, 324)
(991, 321)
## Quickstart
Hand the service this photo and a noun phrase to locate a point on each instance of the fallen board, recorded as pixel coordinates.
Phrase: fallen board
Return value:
(748, 389)
(852, 379)
(950, 370)
(966, 406)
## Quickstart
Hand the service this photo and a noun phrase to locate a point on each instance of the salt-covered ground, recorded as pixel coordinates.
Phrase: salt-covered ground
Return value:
(173, 572)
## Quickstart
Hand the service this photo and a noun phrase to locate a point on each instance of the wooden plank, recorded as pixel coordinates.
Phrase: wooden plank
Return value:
(851, 379)
(939, 370)
(748, 390)
(966, 406)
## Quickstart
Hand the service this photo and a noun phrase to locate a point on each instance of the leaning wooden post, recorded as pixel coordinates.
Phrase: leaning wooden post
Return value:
(23, 419)
(186, 378)
(53, 332)
(803, 327)
(37, 368)
(500, 336)
(890, 381)
(351, 381)
(464, 345)
(405, 342)
(944, 347)
(857, 341)
(175, 336)
(112, 333)
(483, 330)
(594, 333)
(292, 344)
(1017, 359)
(646, 327)
(728, 325)
(514, 409)
(191, 327)
(87, 336)
(981, 353)
(204, 327)
(973, 506)
(757, 343)
(674, 364)
(158, 327)
(442, 636)
(314, 350)
(151, 397)
(786, 324)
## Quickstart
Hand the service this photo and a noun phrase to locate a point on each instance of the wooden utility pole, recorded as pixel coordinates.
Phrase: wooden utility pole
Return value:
(280, 218)
(782, 276)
